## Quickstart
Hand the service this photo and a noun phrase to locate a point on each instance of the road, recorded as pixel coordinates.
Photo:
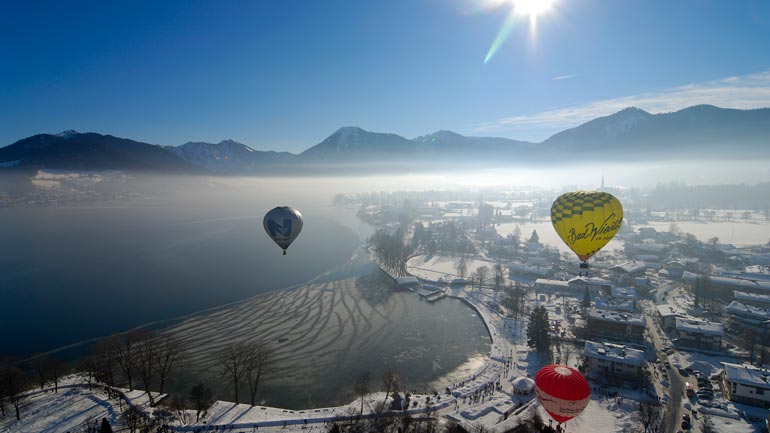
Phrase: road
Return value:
(674, 412)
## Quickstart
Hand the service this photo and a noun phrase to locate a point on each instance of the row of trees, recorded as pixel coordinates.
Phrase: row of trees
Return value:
(246, 364)
(391, 250)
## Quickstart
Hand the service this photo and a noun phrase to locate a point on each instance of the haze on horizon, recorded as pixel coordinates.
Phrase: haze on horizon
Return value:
(282, 76)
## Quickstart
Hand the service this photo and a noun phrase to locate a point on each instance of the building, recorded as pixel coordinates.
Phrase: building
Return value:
(597, 285)
(699, 334)
(755, 299)
(626, 306)
(614, 324)
(743, 317)
(667, 315)
(612, 361)
(551, 286)
(746, 384)
(726, 284)
(627, 271)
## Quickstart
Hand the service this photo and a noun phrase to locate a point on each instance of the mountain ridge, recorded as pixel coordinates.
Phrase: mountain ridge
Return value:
(701, 130)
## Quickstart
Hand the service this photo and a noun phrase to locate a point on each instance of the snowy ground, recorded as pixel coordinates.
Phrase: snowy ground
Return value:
(444, 266)
(739, 232)
(69, 409)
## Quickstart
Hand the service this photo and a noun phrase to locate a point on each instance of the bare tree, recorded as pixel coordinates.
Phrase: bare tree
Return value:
(259, 362)
(233, 362)
(132, 418)
(481, 275)
(389, 380)
(647, 414)
(167, 357)
(124, 350)
(499, 276)
(361, 386)
(14, 385)
(746, 215)
(462, 267)
(88, 366)
(38, 363)
(104, 354)
(146, 348)
(55, 369)
(200, 396)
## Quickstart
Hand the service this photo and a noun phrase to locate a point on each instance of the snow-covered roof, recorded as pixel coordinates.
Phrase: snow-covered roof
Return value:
(614, 316)
(751, 297)
(630, 267)
(756, 276)
(700, 326)
(590, 281)
(667, 310)
(547, 282)
(523, 383)
(623, 292)
(731, 282)
(738, 309)
(542, 271)
(615, 304)
(747, 375)
(614, 352)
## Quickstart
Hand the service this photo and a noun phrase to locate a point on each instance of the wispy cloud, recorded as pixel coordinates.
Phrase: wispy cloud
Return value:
(563, 77)
(744, 92)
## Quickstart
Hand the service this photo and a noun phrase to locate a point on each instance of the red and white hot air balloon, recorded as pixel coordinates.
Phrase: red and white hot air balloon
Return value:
(562, 391)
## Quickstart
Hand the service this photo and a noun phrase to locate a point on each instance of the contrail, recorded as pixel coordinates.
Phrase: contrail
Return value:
(563, 77)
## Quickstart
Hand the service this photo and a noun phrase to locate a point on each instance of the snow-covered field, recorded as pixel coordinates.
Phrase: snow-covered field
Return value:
(547, 235)
(443, 266)
(739, 232)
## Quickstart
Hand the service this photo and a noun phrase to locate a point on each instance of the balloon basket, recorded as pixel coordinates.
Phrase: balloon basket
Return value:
(284, 252)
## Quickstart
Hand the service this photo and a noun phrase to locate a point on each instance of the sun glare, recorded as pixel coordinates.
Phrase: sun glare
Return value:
(531, 8)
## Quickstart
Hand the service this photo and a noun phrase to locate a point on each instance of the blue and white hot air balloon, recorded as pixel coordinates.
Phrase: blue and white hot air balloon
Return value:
(283, 225)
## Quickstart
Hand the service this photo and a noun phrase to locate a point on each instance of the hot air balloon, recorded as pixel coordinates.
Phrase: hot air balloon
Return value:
(562, 391)
(586, 221)
(283, 225)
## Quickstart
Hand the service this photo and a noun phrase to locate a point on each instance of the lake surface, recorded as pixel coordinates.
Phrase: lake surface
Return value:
(323, 334)
(69, 274)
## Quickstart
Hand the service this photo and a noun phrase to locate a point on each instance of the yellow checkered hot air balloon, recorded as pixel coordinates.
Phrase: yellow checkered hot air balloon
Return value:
(586, 221)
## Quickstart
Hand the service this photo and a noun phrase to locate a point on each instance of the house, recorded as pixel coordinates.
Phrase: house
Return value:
(627, 271)
(614, 304)
(755, 299)
(612, 361)
(725, 284)
(667, 315)
(746, 384)
(743, 317)
(614, 324)
(699, 334)
(551, 286)
(597, 285)
(520, 269)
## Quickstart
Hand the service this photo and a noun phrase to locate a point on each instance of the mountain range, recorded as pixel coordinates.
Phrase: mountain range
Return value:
(698, 132)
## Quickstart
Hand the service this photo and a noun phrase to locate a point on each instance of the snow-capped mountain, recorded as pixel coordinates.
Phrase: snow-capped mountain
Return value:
(353, 143)
(701, 130)
(228, 156)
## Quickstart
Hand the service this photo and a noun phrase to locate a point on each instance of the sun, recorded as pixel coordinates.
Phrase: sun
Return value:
(531, 8)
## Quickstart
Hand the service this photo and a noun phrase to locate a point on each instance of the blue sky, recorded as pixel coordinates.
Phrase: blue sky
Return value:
(285, 74)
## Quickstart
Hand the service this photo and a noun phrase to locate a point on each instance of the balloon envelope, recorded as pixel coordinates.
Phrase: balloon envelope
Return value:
(586, 220)
(562, 391)
(283, 225)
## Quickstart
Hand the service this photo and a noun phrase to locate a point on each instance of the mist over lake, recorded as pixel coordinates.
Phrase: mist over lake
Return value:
(74, 273)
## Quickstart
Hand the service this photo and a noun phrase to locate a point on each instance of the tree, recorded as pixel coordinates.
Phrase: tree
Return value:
(259, 362)
(39, 364)
(534, 239)
(167, 357)
(706, 424)
(88, 366)
(361, 387)
(55, 368)
(14, 385)
(648, 414)
(200, 396)
(713, 242)
(389, 380)
(123, 349)
(746, 215)
(132, 418)
(462, 267)
(105, 427)
(674, 229)
(538, 330)
(105, 358)
(586, 303)
(145, 362)
(481, 275)
(499, 276)
(233, 361)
